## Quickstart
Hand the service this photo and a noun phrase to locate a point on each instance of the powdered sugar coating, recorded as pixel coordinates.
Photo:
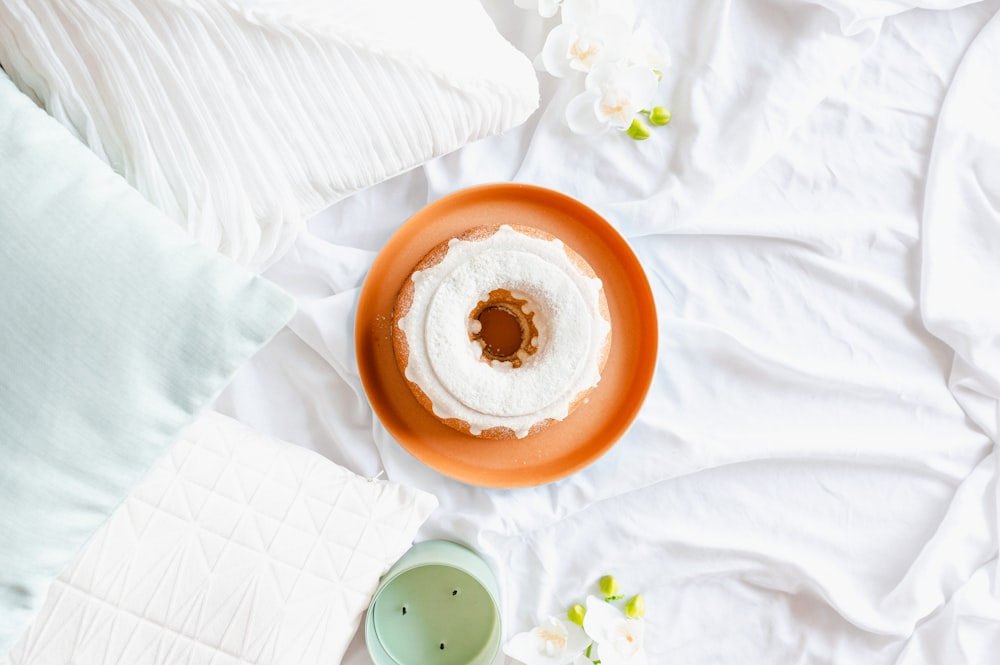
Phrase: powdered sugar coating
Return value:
(448, 365)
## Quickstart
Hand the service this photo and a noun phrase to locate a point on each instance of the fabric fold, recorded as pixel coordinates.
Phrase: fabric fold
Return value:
(959, 276)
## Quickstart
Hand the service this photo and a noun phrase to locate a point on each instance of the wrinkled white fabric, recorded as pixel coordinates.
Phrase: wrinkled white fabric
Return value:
(241, 118)
(812, 478)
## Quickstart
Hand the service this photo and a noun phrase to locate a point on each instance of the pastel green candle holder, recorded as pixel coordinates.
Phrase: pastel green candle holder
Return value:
(437, 605)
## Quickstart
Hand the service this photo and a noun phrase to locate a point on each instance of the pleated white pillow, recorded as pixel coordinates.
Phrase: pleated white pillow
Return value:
(240, 118)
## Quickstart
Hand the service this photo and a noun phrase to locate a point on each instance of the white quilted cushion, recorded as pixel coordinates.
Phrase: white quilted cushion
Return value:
(236, 548)
(241, 118)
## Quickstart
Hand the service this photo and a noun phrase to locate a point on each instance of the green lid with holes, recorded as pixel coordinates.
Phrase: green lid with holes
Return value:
(436, 606)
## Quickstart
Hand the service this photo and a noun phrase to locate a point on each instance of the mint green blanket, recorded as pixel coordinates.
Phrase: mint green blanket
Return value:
(115, 331)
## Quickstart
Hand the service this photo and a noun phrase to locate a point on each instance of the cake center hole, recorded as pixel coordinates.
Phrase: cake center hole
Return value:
(501, 331)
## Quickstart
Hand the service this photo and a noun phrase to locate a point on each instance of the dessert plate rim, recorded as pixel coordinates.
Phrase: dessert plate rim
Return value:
(564, 447)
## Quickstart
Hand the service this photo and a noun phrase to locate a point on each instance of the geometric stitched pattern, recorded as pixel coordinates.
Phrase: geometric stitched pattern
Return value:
(236, 548)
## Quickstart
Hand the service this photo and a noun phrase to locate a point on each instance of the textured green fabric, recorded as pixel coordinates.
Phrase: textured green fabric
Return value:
(115, 331)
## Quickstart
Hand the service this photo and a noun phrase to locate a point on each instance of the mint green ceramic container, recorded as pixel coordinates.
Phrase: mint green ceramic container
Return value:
(437, 605)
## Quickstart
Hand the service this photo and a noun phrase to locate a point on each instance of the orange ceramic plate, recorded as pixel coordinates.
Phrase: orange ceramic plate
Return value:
(564, 447)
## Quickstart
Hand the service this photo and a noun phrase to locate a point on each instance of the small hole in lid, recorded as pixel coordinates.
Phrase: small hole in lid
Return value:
(404, 609)
(442, 646)
(454, 592)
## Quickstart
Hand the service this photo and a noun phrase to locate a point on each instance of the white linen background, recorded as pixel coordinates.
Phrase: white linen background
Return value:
(813, 477)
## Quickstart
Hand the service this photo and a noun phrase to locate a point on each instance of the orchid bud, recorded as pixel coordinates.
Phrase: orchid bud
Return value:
(576, 614)
(638, 131)
(608, 584)
(635, 608)
(660, 115)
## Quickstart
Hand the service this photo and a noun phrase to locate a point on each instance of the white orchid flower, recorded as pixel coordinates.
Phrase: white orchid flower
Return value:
(614, 95)
(546, 8)
(584, 42)
(618, 638)
(648, 48)
(553, 642)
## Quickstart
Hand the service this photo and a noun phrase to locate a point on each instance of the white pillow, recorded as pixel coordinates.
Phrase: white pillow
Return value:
(242, 118)
(237, 548)
(116, 331)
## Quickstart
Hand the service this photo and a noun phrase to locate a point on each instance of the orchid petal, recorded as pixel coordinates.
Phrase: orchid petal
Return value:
(557, 45)
(576, 639)
(587, 48)
(599, 619)
(648, 48)
(582, 117)
(617, 33)
(619, 639)
(599, 40)
(601, 76)
(610, 656)
(640, 85)
(553, 642)
(624, 91)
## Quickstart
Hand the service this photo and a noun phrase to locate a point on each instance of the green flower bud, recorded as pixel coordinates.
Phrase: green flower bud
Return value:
(635, 608)
(639, 132)
(576, 614)
(608, 584)
(660, 115)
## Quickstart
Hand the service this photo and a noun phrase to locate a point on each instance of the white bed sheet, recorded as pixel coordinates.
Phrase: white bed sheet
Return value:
(813, 478)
